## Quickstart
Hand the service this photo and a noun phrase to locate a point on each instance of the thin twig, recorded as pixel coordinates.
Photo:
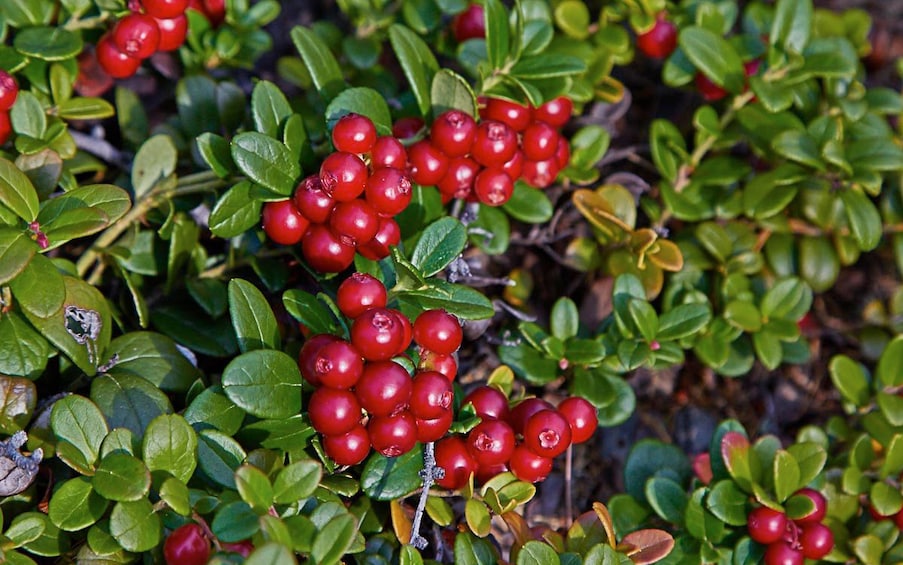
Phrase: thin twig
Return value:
(100, 148)
(429, 473)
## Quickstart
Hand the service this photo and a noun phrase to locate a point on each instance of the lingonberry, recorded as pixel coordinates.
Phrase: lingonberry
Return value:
(493, 187)
(494, 144)
(215, 10)
(540, 174)
(470, 24)
(312, 201)
(491, 442)
(338, 365)
(428, 164)
(431, 395)
(439, 362)
(387, 235)
(173, 32)
(556, 112)
(660, 40)
(324, 251)
(816, 539)
(9, 91)
(164, 8)
(820, 506)
(393, 435)
(359, 293)
(438, 331)
(354, 133)
(517, 116)
(307, 357)
(354, 221)
(751, 68)
(137, 35)
(343, 175)
(486, 472)
(539, 141)
(898, 520)
(582, 417)
(116, 63)
(453, 133)
(384, 388)
(563, 153)
(527, 466)
(459, 178)
(407, 331)
(710, 91)
(406, 128)
(782, 553)
(389, 191)
(6, 127)
(333, 412)
(283, 223)
(766, 525)
(488, 402)
(453, 455)
(388, 152)
(243, 548)
(514, 167)
(434, 428)
(349, 448)
(519, 415)
(187, 545)
(377, 334)
(547, 433)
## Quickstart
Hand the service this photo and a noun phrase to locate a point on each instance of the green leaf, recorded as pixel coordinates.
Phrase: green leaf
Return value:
(529, 204)
(364, 101)
(212, 408)
(234, 522)
(564, 319)
(668, 148)
(52, 541)
(888, 369)
(786, 475)
(16, 191)
(789, 299)
(792, 24)
(588, 146)
(176, 495)
(79, 422)
(219, 456)
(75, 505)
(271, 553)
(252, 317)
(547, 66)
(798, 146)
(214, 150)
(28, 116)
(683, 321)
(667, 498)
(113, 201)
(297, 481)
(649, 458)
(460, 300)
(170, 445)
(537, 553)
(863, 217)
(727, 502)
(811, 459)
(478, 517)
(334, 539)
(85, 108)
(155, 161)
(714, 56)
(235, 212)
(868, 548)
(320, 62)
(739, 460)
(121, 477)
(471, 550)
(266, 161)
(135, 525)
(155, 358)
(644, 318)
(264, 383)
(48, 43)
(891, 406)
(18, 398)
(417, 61)
(25, 530)
(389, 478)
(26, 351)
(16, 250)
(451, 91)
(254, 488)
(850, 379)
(441, 242)
(497, 33)
(128, 401)
(269, 108)
(310, 311)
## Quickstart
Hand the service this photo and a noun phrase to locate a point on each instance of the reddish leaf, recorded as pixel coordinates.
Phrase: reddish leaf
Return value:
(737, 455)
(702, 467)
(647, 546)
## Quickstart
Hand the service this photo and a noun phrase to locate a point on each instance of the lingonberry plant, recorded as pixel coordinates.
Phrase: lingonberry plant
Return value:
(424, 282)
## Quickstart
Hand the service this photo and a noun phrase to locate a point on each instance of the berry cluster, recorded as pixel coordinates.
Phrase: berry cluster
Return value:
(661, 39)
(470, 24)
(523, 440)
(213, 10)
(153, 25)
(9, 91)
(359, 375)
(790, 542)
(349, 206)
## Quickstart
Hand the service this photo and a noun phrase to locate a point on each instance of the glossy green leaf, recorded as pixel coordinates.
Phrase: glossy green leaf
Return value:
(310, 311)
(441, 242)
(219, 456)
(389, 478)
(48, 43)
(888, 369)
(786, 475)
(171, 445)
(792, 24)
(26, 351)
(528, 204)
(85, 108)
(478, 517)
(75, 505)
(451, 91)
(235, 212)
(863, 217)
(264, 383)
(213, 408)
(461, 300)
(417, 61)
(129, 401)
(155, 358)
(728, 502)
(297, 481)
(714, 56)
(252, 317)
(320, 62)
(271, 553)
(334, 539)
(667, 498)
(269, 108)
(135, 525)
(497, 33)
(254, 488)
(364, 101)
(266, 161)
(79, 422)
(155, 161)
(564, 319)
(121, 477)
(471, 550)
(16, 191)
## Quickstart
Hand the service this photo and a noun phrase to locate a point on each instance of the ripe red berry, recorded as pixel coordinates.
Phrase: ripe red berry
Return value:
(453, 133)
(312, 201)
(710, 91)
(563, 153)
(898, 520)
(428, 164)
(387, 235)
(514, 167)
(661, 39)
(539, 141)
(6, 127)
(165, 8)
(384, 388)
(816, 539)
(519, 415)
(527, 466)
(393, 435)
(137, 35)
(435, 428)
(438, 331)
(781, 553)
(547, 433)
(377, 334)
(488, 402)
(820, 510)
(333, 412)
(431, 395)
(307, 357)
(388, 152)
(354, 133)
(324, 251)
(766, 525)
(407, 331)
(582, 417)
(493, 187)
(215, 10)
(439, 362)
(338, 365)
(350, 448)
(354, 221)
(541, 174)
(172, 32)
(343, 175)
(243, 548)
(469, 24)
(459, 178)
(116, 63)
(555, 112)
(187, 545)
(517, 116)
(359, 293)
(491, 442)
(751, 68)
(283, 223)
(494, 144)
(406, 128)
(9, 91)
(486, 472)
(389, 191)
(453, 455)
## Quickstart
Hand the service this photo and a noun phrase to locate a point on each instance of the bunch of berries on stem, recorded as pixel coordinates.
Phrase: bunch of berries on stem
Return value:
(792, 541)
(152, 26)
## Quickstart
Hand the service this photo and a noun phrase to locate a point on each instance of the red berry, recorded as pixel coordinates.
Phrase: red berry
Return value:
(116, 63)
(781, 553)
(6, 127)
(486, 472)
(165, 8)
(431, 395)
(555, 112)
(539, 141)
(312, 201)
(384, 388)
(710, 91)
(343, 175)
(494, 144)
(582, 417)
(765, 525)
(661, 39)
(172, 32)
(243, 548)
(816, 539)
(514, 167)
(407, 331)
(393, 435)
(458, 179)
(540, 174)
(389, 191)
(453, 456)
(488, 402)
(388, 152)
(820, 510)
(428, 164)
(439, 362)
(387, 235)
(438, 331)
(563, 153)
(359, 293)
(187, 545)
(491, 442)
(493, 187)
(435, 428)
(354, 133)
(137, 35)
(751, 68)
(325, 252)
(338, 365)
(469, 24)
(215, 10)
(307, 357)
(350, 448)
(354, 221)
(517, 116)
(453, 133)
(9, 91)
(283, 223)
(898, 520)
(333, 412)
(377, 334)
(406, 128)
(527, 466)
(523, 410)
(547, 433)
